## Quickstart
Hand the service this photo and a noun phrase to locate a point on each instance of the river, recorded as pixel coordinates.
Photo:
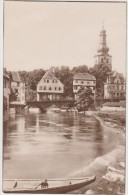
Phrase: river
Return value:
(51, 145)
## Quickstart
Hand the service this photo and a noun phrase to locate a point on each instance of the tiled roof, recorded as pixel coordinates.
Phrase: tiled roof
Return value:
(49, 75)
(15, 76)
(84, 76)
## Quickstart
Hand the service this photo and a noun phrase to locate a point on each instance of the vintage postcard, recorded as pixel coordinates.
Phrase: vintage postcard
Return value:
(64, 97)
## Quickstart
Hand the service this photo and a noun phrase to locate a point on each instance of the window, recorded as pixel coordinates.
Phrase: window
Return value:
(40, 87)
(47, 81)
(117, 94)
(76, 81)
(107, 61)
(102, 60)
(88, 82)
(44, 81)
(75, 87)
(44, 88)
(117, 87)
(53, 81)
(55, 88)
(122, 87)
(82, 82)
(59, 88)
(50, 88)
(94, 82)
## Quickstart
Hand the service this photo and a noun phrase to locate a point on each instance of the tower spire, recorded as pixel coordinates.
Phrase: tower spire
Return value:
(103, 25)
(103, 46)
(103, 56)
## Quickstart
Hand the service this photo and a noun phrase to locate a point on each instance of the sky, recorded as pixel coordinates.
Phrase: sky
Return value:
(44, 34)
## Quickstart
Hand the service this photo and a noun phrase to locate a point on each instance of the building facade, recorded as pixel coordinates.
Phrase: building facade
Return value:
(83, 79)
(18, 88)
(49, 87)
(115, 87)
(102, 56)
(6, 89)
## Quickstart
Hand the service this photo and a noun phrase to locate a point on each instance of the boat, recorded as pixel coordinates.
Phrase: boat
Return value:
(55, 186)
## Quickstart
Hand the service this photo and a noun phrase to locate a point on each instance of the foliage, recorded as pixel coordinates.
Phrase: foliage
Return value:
(85, 98)
(65, 74)
(13, 95)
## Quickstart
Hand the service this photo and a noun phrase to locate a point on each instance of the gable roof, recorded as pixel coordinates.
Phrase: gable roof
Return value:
(114, 75)
(84, 76)
(15, 76)
(49, 75)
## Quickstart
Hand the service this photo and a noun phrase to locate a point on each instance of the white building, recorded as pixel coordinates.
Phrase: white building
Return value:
(114, 87)
(83, 79)
(18, 87)
(49, 87)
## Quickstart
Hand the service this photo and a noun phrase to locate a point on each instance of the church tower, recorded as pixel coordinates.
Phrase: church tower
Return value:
(103, 56)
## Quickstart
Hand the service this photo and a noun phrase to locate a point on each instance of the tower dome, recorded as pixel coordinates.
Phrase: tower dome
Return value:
(103, 46)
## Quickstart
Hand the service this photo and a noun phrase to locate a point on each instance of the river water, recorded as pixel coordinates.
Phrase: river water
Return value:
(51, 145)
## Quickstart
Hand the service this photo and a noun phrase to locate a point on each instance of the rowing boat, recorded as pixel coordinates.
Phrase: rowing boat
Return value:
(55, 186)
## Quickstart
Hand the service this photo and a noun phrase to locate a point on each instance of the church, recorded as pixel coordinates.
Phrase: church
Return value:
(114, 87)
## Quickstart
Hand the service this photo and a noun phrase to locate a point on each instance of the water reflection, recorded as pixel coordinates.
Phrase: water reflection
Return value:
(51, 145)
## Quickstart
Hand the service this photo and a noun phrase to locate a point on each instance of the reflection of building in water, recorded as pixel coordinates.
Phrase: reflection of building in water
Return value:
(21, 124)
(37, 123)
(6, 141)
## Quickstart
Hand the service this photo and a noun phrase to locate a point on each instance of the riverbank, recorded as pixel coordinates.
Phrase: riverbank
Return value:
(110, 168)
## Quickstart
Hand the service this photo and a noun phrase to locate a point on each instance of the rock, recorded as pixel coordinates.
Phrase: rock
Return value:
(122, 164)
(90, 192)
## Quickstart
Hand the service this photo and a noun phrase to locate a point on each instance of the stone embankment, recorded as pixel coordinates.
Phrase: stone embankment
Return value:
(110, 168)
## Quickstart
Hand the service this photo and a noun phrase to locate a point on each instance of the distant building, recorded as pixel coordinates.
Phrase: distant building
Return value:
(83, 79)
(18, 87)
(49, 87)
(114, 88)
(7, 89)
(103, 56)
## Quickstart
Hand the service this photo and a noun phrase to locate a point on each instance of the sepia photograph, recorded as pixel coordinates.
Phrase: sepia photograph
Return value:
(64, 97)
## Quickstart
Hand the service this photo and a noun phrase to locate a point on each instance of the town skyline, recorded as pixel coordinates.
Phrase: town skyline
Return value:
(35, 37)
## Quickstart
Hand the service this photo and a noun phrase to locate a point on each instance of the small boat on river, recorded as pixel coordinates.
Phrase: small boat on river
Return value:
(49, 186)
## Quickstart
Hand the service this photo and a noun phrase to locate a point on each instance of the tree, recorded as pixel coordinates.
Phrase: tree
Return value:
(80, 69)
(85, 98)
(13, 95)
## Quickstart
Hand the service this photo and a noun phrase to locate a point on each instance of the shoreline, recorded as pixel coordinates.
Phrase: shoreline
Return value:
(101, 164)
